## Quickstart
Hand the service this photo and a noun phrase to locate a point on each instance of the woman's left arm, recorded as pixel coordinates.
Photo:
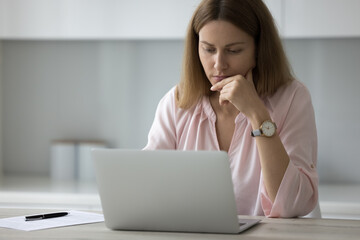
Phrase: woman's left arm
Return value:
(274, 159)
(288, 159)
(240, 91)
(297, 193)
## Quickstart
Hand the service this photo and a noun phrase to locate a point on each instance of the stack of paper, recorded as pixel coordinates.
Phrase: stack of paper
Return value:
(73, 218)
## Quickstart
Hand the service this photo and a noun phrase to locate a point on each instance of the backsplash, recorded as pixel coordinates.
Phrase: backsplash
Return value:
(109, 90)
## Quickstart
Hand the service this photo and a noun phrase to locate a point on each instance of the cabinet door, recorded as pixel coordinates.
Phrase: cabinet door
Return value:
(1, 104)
(276, 8)
(321, 18)
(95, 19)
(33, 18)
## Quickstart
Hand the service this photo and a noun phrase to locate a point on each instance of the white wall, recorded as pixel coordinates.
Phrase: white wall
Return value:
(109, 90)
(331, 70)
(1, 103)
(81, 90)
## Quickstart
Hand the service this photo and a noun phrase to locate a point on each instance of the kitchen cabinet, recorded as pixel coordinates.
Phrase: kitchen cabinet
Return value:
(1, 104)
(96, 19)
(321, 18)
(100, 19)
(162, 19)
(276, 9)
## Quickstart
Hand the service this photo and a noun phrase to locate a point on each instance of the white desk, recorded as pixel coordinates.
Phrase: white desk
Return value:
(336, 201)
(268, 229)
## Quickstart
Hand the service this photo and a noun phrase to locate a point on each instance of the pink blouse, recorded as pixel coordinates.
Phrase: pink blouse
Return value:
(291, 109)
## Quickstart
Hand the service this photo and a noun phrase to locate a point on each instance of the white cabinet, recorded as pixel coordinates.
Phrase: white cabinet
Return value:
(162, 19)
(94, 19)
(100, 19)
(321, 18)
(1, 104)
(276, 9)
(316, 18)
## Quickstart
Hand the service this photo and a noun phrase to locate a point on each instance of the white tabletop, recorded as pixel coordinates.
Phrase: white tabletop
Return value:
(278, 229)
(336, 201)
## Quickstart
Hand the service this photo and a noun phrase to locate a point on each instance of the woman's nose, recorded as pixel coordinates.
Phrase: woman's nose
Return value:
(220, 62)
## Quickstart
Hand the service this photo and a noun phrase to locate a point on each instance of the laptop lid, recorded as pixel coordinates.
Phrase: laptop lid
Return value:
(182, 191)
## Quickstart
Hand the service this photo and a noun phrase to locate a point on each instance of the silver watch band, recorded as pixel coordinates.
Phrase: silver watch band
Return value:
(256, 133)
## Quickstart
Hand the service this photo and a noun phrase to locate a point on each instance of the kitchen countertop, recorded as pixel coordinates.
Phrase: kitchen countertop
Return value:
(336, 200)
(268, 228)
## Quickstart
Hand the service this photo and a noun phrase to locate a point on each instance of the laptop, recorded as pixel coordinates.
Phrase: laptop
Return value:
(167, 190)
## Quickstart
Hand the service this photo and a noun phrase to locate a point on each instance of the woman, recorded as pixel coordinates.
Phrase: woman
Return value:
(237, 94)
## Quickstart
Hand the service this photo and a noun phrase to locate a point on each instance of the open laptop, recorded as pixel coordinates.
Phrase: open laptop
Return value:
(181, 191)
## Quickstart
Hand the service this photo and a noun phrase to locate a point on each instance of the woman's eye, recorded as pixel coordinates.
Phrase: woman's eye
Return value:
(234, 51)
(210, 50)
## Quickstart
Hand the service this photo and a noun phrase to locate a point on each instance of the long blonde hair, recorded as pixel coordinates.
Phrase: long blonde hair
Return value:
(252, 16)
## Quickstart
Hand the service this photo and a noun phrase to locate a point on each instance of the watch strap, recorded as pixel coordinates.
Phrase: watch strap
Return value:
(256, 133)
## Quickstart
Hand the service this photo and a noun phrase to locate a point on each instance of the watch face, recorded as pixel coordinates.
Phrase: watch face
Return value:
(268, 128)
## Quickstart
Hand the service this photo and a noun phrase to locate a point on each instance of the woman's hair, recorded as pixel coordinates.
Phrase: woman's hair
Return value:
(252, 16)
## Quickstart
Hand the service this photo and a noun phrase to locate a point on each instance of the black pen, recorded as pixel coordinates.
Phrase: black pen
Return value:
(45, 216)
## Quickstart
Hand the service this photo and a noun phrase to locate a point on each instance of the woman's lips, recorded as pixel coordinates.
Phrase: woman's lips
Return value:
(219, 78)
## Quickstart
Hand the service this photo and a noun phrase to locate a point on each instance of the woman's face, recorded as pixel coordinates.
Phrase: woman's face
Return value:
(225, 50)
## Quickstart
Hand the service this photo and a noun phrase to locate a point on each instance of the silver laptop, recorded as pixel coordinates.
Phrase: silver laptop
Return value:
(181, 191)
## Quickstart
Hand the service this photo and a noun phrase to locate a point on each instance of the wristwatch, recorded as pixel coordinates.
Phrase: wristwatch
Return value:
(267, 129)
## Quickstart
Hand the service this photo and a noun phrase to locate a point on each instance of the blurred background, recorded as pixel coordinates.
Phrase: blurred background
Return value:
(92, 72)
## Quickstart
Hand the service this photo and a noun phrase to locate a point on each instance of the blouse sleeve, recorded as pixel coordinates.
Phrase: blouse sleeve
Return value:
(298, 191)
(162, 134)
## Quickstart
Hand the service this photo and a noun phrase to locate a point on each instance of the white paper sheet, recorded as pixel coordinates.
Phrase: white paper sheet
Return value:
(73, 218)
